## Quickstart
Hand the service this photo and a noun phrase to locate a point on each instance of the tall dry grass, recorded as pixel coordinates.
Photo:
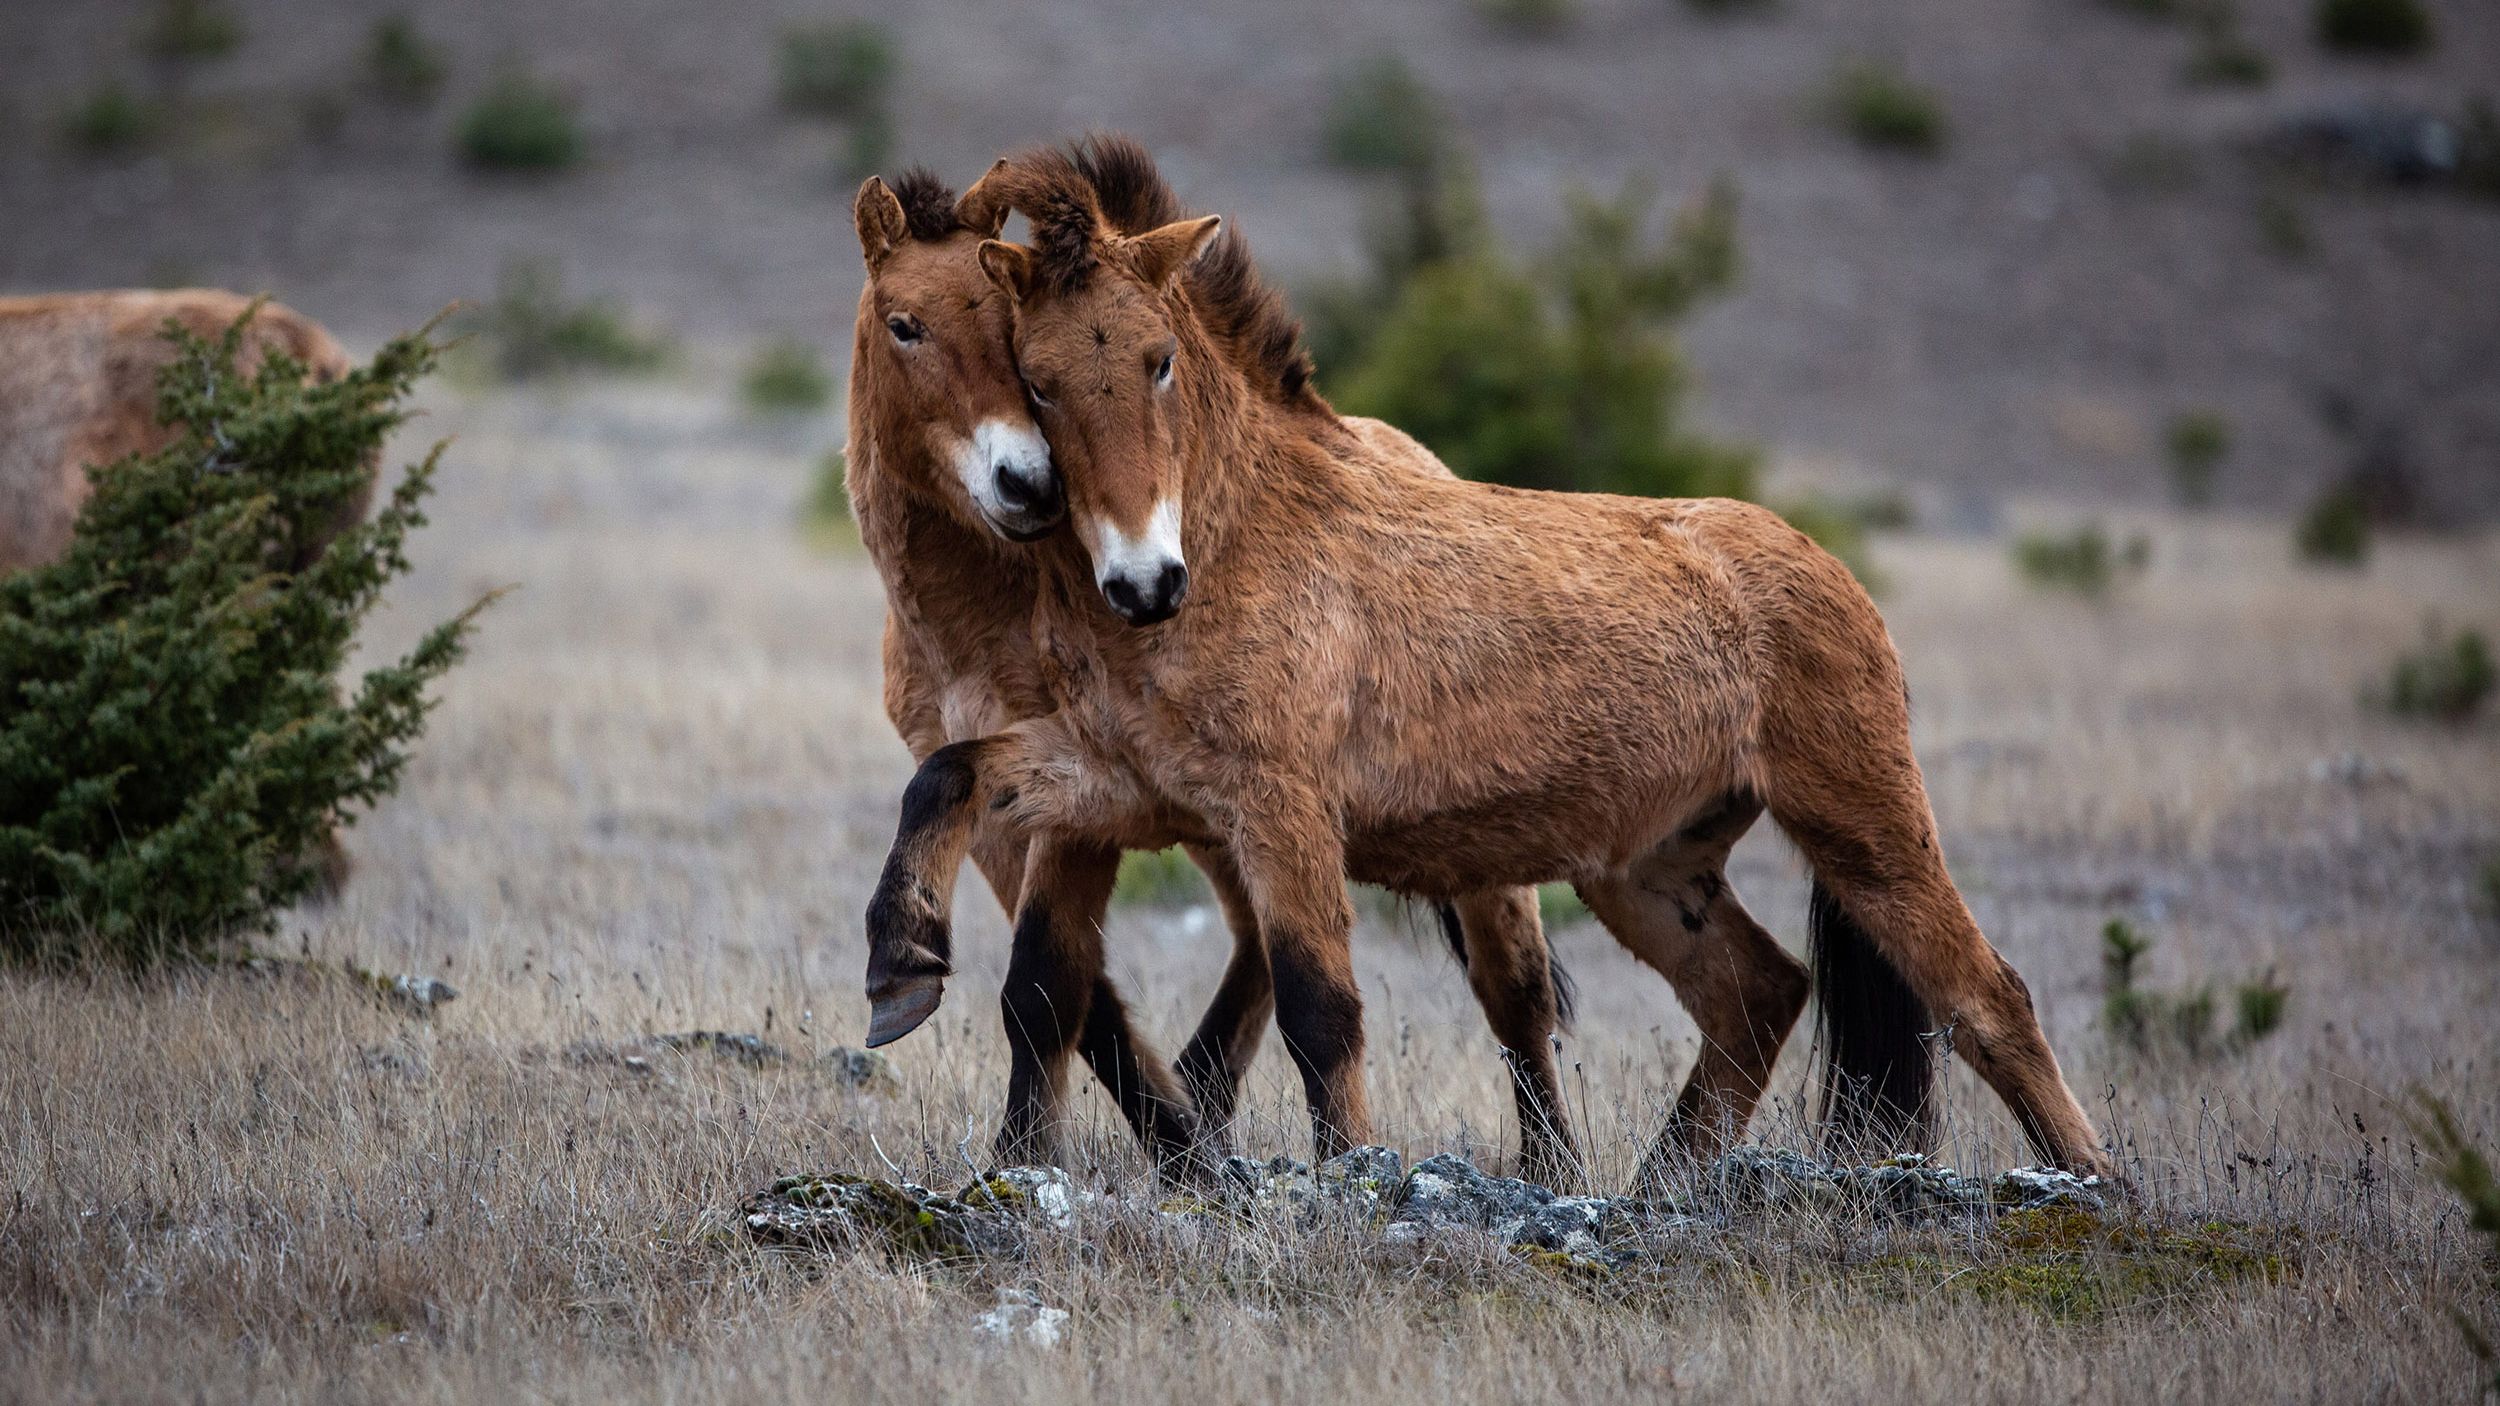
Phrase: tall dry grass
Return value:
(656, 798)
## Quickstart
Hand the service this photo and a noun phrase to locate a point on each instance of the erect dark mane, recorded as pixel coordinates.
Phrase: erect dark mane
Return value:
(928, 204)
(1105, 178)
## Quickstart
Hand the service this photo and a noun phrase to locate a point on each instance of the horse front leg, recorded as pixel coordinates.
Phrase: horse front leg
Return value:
(1033, 778)
(1293, 863)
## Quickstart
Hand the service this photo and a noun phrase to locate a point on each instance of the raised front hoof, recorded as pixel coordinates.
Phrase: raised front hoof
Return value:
(901, 1007)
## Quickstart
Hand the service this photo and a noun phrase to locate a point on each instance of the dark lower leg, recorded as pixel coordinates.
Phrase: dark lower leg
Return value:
(1053, 972)
(1216, 1060)
(1509, 971)
(1150, 1099)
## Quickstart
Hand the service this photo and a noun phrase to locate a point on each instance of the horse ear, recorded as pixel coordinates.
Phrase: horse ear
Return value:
(1163, 253)
(879, 217)
(983, 209)
(1010, 266)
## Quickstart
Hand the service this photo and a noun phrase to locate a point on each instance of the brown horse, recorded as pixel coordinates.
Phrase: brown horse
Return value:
(946, 474)
(78, 389)
(1439, 685)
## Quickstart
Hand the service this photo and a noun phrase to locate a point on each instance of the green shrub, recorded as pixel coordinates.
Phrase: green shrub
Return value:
(2446, 678)
(2282, 226)
(2084, 561)
(1838, 529)
(2335, 530)
(108, 121)
(1560, 375)
(786, 375)
(2260, 1005)
(401, 64)
(2489, 884)
(828, 502)
(843, 69)
(521, 124)
(2470, 1175)
(174, 751)
(1884, 108)
(2390, 27)
(1381, 117)
(1530, 16)
(1559, 905)
(2197, 442)
(182, 31)
(534, 330)
(2223, 57)
(2478, 149)
(2157, 1023)
(868, 147)
(1159, 879)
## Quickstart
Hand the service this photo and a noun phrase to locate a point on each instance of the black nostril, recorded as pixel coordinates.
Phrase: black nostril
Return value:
(1123, 597)
(1171, 586)
(1015, 490)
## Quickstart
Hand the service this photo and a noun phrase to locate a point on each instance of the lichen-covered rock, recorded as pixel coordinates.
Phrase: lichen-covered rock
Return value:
(840, 1211)
(1909, 1184)
(1042, 1194)
(642, 1054)
(2035, 1188)
(1763, 1177)
(861, 1069)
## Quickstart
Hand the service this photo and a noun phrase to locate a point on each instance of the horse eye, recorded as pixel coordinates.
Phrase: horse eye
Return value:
(1040, 401)
(906, 330)
(1163, 373)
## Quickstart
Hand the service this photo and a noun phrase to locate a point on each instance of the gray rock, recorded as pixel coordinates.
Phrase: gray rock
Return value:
(1021, 1317)
(641, 1054)
(2031, 1188)
(861, 1069)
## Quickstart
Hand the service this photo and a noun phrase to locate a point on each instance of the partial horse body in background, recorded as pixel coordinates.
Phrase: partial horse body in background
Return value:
(78, 391)
(947, 473)
(1439, 686)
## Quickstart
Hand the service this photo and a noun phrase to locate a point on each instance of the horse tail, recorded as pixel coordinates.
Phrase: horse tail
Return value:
(1879, 1074)
(1566, 990)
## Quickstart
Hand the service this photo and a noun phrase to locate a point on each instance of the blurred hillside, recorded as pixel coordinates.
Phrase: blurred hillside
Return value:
(2094, 248)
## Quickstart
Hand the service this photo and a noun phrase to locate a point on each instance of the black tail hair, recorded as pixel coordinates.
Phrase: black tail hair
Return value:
(1566, 991)
(1879, 1075)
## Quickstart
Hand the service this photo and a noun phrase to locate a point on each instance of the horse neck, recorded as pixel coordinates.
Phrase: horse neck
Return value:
(1244, 460)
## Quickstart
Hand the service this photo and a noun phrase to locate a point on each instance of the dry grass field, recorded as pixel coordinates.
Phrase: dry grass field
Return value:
(654, 801)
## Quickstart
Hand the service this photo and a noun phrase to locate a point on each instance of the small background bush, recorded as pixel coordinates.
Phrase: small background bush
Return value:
(185, 31)
(401, 64)
(1160, 879)
(844, 69)
(521, 124)
(108, 121)
(2446, 678)
(1555, 373)
(1381, 117)
(1530, 17)
(1884, 108)
(785, 376)
(2084, 561)
(173, 749)
(2335, 529)
(2197, 442)
(2390, 27)
(533, 330)
(2149, 1022)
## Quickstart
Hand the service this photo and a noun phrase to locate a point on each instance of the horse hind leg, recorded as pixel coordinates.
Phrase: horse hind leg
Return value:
(1887, 911)
(1673, 909)
(1512, 974)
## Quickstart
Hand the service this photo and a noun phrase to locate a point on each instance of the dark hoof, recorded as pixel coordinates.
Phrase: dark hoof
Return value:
(900, 1010)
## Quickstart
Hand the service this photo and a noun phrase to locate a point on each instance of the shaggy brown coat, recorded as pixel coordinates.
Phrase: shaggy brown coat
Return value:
(78, 389)
(930, 368)
(1439, 685)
